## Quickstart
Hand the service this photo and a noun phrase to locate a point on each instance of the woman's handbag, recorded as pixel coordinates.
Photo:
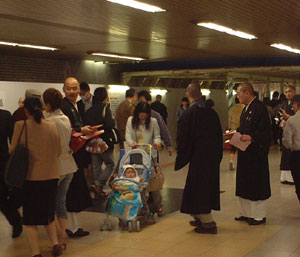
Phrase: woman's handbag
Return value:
(77, 141)
(17, 166)
(157, 180)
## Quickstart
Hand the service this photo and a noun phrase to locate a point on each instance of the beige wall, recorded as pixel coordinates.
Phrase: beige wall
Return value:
(172, 100)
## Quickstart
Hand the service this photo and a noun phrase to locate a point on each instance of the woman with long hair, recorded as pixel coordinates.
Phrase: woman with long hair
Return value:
(142, 129)
(40, 186)
(67, 166)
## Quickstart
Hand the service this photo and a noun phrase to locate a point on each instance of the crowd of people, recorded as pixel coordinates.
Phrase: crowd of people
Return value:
(56, 190)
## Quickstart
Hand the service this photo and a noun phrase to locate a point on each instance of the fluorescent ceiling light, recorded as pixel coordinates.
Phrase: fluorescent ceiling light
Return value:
(28, 46)
(119, 56)
(205, 92)
(286, 48)
(138, 5)
(230, 31)
(118, 88)
(8, 43)
(158, 91)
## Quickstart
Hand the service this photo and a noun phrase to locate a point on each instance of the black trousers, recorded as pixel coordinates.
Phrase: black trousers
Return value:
(295, 168)
(9, 201)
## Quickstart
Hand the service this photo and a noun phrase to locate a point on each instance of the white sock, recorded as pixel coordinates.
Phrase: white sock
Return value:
(72, 222)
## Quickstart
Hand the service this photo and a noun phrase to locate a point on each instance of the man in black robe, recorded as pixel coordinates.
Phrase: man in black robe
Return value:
(200, 143)
(286, 111)
(78, 196)
(252, 177)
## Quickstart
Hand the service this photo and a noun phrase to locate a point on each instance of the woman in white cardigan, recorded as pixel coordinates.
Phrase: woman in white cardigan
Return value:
(67, 166)
(142, 129)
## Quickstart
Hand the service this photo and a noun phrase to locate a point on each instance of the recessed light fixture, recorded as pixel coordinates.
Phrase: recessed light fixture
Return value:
(286, 48)
(118, 88)
(28, 46)
(158, 91)
(119, 56)
(138, 5)
(230, 31)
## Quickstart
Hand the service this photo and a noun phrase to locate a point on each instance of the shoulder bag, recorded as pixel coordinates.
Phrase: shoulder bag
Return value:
(17, 166)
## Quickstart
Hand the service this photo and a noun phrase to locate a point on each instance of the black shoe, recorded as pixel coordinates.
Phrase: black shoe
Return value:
(196, 222)
(284, 182)
(242, 218)
(202, 230)
(291, 183)
(254, 222)
(69, 233)
(17, 230)
(80, 233)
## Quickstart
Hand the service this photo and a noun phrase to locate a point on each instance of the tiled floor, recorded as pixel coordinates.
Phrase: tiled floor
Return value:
(173, 236)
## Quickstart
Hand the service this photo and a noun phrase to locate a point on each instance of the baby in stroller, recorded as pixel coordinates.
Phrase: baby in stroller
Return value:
(130, 190)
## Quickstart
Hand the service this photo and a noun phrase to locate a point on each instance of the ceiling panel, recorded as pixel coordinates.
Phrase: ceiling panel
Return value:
(81, 26)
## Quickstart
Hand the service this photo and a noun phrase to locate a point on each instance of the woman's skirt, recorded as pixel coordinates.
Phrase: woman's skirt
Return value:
(39, 202)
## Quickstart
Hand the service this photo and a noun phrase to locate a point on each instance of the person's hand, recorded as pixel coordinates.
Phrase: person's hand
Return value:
(88, 130)
(170, 151)
(245, 138)
(157, 146)
(134, 145)
(285, 115)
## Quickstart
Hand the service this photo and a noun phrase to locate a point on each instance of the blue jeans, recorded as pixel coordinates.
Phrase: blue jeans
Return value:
(62, 189)
(101, 176)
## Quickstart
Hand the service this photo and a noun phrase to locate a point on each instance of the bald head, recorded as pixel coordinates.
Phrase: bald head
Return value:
(193, 92)
(71, 89)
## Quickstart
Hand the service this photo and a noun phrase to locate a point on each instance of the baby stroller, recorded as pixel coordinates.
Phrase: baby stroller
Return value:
(118, 205)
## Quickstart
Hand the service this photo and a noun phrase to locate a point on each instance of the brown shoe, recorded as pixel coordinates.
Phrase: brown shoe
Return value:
(57, 250)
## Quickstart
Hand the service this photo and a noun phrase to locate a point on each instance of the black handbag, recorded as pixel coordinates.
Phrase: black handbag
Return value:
(17, 165)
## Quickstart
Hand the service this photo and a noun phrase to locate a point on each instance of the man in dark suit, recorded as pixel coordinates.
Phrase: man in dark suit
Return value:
(252, 176)
(159, 107)
(8, 204)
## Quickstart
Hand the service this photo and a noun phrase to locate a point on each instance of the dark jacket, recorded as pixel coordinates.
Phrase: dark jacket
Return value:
(200, 144)
(252, 177)
(6, 132)
(101, 114)
(75, 118)
(78, 196)
(161, 109)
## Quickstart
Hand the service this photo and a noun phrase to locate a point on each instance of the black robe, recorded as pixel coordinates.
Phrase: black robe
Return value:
(252, 177)
(78, 196)
(200, 143)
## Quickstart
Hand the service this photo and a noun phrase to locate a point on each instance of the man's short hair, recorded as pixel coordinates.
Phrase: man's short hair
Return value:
(158, 97)
(291, 87)
(84, 86)
(130, 92)
(275, 94)
(246, 86)
(145, 94)
(194, 90)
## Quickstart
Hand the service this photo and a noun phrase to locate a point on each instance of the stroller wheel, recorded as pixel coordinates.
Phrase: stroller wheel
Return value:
(155, 217)
(101, 227)
(138, 226)
(129, 226)
(109, 226)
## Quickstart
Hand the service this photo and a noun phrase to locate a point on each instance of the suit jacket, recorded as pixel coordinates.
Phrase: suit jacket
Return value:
(75, 118)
